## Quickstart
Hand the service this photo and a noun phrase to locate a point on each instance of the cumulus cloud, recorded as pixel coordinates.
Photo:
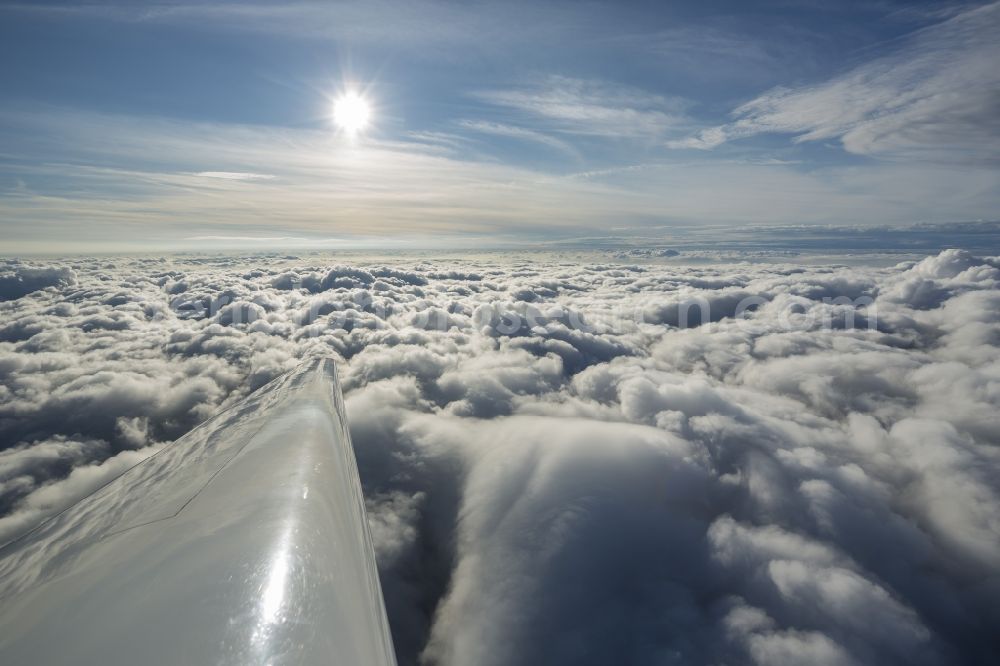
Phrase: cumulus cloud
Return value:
(575, 461)
(17, 279)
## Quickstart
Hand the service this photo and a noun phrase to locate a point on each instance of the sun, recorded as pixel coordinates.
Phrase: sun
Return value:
(351, 113)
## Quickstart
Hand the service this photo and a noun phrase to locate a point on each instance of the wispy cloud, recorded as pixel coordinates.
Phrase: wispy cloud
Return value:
(75, 183)
(520, 133)
(712, 51)
(255, 239)
(594, 108)
(433, 26)
(234, 175)
(937, 97)
(166, 174)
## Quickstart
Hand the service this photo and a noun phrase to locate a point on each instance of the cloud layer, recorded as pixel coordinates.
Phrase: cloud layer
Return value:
(560, 467)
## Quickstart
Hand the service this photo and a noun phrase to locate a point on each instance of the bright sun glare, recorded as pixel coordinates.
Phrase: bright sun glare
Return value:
(351, 113)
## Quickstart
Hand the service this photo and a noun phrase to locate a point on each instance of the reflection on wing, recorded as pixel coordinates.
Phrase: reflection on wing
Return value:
(244, 542)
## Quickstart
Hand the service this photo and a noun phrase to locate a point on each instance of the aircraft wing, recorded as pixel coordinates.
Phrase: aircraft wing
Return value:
(243, 542)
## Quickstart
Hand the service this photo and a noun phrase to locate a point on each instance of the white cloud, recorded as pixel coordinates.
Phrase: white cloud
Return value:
(234, 175)
(514, 132)
(401, 191)
(595, 108)
(322, 186)
(18, 279)
(933, 98)
(429, 28)
(777, 490)
(255, 239)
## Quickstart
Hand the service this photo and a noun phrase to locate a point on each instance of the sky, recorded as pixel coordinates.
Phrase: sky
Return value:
(171, 125)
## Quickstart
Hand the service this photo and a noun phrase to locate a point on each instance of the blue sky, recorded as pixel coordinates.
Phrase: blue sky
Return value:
(163, 124)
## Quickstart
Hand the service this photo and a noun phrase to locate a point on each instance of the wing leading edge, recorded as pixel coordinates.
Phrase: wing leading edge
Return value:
(243, 542)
